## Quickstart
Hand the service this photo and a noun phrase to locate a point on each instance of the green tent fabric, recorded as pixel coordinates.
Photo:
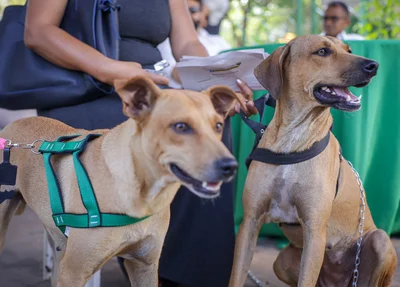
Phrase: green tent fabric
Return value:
(370, 137)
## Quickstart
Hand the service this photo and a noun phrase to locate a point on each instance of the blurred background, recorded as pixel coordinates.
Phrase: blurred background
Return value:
(256, 22)
(369, 138)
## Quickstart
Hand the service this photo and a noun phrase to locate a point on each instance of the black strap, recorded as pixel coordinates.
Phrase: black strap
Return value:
(268, 156)
(4, 195)
(258, 127)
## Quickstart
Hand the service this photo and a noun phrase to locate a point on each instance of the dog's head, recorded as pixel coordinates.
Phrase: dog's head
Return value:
(320, 68)
(180, 132)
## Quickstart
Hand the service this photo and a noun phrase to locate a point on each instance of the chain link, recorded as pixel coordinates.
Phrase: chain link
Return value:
(255, 279)
(360, 226)
(30, 146)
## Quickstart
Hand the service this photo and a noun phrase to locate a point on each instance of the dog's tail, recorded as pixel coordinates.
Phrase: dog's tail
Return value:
(21, 207)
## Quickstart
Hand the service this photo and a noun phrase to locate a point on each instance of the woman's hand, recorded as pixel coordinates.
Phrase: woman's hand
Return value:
(119, 70)
(246, 95)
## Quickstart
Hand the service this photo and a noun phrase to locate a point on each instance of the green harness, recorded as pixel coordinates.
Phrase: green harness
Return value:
(93, 217)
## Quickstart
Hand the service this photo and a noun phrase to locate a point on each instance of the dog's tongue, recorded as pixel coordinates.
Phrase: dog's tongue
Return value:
(345, 93)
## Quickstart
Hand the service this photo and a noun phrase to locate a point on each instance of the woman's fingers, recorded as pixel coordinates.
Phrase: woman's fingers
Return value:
(160, 80)
(245, 90)
(251, 108)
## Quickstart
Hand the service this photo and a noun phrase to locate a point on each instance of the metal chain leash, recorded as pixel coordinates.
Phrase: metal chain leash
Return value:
(255, 279)
(360, 232)
(360, 226)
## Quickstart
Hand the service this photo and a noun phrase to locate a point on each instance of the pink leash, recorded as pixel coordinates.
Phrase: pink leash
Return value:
(2, 143)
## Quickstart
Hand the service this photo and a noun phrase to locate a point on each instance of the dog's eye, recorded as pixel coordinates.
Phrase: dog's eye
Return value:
(219, 127)
(182, 128)
(323, 52)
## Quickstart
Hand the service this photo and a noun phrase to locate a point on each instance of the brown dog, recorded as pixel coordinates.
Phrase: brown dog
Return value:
(307, 77)
(135, 169)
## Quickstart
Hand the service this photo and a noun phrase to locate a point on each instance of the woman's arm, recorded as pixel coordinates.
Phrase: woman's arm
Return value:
(183, 37)
(184, 41)
(43, 35)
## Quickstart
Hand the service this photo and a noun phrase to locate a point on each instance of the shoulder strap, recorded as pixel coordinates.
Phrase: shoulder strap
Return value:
(94, 218)
(85, 186)
(88, 198)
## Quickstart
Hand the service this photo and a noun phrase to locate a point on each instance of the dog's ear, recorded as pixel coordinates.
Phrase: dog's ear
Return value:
(138, 95)
(270, 71)
(223, 98)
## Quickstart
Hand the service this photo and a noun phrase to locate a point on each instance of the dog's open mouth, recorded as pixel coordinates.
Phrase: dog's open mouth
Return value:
(200, 188)
(338, 97)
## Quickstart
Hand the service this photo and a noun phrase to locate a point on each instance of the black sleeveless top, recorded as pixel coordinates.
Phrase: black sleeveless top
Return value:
(143, 24)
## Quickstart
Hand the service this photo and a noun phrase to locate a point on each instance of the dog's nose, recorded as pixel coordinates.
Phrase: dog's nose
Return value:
(370, 66)
(226, 166)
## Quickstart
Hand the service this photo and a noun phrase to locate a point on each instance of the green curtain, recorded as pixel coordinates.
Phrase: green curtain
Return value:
(370, 137)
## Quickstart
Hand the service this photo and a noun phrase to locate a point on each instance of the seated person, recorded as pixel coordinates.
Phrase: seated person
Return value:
(336, 20)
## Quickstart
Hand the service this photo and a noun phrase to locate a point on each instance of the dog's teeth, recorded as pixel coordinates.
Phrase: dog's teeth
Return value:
(359, 98)
(348, 98)
(328, 90)
(324, 88)
(333, 93)
(216, 187)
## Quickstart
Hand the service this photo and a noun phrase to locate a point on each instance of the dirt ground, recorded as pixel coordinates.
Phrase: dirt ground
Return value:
(21, 260)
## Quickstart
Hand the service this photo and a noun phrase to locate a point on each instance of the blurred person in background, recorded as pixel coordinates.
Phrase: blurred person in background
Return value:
(213, 43)
(337, 20)
(217, 10)
(200, 13)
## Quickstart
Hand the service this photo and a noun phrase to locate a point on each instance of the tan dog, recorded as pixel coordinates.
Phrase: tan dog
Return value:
(135, 169)
(307, 77)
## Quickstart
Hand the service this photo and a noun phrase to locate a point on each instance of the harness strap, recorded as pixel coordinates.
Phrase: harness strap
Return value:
(94, 218)
(85, 186)
(83, 220)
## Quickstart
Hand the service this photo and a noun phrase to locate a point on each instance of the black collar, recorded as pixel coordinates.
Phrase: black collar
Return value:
(268, 156)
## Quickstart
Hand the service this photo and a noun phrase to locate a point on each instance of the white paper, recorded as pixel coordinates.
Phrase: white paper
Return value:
(200, 73)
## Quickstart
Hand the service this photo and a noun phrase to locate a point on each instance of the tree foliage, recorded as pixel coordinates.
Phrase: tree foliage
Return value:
(251, 22)
(256, 22)
(5, 3)
(381, 19)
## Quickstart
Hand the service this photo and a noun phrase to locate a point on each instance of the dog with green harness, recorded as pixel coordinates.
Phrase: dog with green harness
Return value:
(106, 193)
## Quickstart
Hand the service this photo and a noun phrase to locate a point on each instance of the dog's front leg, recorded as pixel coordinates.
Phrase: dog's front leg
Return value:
(314, 214)
(313, 254)
(142, 266)
(245, 244)
(86, 252)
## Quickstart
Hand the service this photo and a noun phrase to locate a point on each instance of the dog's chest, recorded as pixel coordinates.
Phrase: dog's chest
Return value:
(282, 207)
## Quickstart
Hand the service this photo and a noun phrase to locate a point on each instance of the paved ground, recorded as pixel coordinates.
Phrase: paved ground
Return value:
(21, 261)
